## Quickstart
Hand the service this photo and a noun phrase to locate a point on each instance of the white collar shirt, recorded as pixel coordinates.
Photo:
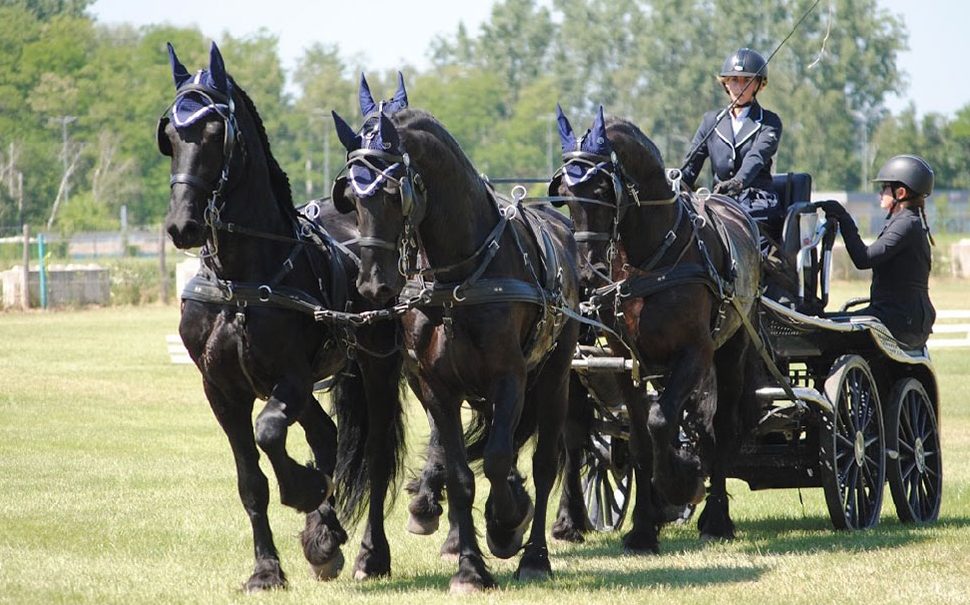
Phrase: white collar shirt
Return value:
(738, 120)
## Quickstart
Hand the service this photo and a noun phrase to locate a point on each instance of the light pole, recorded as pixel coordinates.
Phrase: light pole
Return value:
(65, 120)
(861, 118)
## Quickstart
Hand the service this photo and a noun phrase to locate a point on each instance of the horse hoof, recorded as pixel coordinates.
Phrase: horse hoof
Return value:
(422, 526)
(528, 574)
(268, 575)
(568, 534)
(462, 587)
(329, 569)
(713, 539)
(507, 551)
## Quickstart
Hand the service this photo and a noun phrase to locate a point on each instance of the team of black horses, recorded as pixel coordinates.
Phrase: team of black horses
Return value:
(418, 271)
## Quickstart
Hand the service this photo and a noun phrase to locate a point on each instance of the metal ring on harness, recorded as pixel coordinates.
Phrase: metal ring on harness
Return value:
(265, 292)
(311, 211)
(454, 294)
(518, 193)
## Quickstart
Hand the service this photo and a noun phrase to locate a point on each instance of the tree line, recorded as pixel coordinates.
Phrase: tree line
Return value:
(79, 99)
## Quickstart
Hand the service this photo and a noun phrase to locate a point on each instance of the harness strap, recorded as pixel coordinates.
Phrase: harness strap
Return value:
(759, 346)
(190, 179)
(489, 247)
(669, 240)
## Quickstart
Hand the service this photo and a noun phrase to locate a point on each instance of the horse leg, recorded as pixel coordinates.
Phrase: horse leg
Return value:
(427, 491)
(301, 487)
(552, 386)
(472, 575)
(737, 410)
(644, 534)
(251, 483)
(321, 435)
(572, 520)
(508, 510)
(385, 437)
(323, 534)
(677, 474)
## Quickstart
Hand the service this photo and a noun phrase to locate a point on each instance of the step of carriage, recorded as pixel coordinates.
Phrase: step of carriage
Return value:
(807, 397)
(602, 364)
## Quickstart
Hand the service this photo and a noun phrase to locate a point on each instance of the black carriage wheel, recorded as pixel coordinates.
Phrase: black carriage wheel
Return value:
(915, 465)
(607, 482)
(853, 446)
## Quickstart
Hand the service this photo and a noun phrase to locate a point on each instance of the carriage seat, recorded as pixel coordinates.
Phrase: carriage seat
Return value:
(794, 190)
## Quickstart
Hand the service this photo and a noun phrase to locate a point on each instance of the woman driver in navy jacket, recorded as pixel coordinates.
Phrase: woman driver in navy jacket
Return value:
(743, 143)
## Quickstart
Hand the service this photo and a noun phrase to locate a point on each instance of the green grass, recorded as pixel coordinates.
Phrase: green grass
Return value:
(117, 486)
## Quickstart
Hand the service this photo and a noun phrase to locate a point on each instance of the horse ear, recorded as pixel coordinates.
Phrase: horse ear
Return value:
(338, 195)
(595, 140)
(367, 104)
(389, 136)
(400, 99)
(566, 135)
(179, 73)
(348, 138)
(217, 69)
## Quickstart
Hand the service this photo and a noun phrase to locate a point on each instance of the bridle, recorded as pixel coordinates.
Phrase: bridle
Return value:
(215, 193)
(626, 194)
(411, 191)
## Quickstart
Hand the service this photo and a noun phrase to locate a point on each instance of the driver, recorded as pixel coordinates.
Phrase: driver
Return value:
(900, 257)
(743, 143)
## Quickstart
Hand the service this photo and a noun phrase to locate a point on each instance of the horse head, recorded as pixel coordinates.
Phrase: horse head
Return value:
(589, 182)
(609, 170)
(378, 184)
(200, 133)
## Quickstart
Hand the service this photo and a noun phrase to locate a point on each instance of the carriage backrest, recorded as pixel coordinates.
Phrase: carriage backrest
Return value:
(794, 189)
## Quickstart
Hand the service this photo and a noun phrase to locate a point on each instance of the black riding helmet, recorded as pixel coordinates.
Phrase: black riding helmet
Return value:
(745, 62)
(910, 170)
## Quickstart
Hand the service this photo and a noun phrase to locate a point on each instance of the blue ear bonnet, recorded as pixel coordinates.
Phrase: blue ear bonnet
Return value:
(368, 171)
(209, 90)
(195, 105)
(367, 178)
(593, 145)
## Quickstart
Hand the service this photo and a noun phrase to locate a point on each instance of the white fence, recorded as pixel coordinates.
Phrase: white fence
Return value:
(952, 329)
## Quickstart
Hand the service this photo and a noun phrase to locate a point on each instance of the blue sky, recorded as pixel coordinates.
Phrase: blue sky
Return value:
(939, 47)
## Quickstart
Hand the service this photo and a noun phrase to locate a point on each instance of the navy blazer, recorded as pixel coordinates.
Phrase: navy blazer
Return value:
(747, 156)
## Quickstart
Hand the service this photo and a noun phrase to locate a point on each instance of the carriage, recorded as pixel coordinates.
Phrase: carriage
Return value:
(855, 412)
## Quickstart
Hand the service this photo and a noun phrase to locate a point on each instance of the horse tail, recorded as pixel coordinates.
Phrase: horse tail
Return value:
(370, 437)
(477, 432)
(479, 428)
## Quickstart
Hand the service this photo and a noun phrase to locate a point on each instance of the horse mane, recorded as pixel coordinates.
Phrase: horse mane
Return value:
(422, 121)
(648, 168)
(279, 181)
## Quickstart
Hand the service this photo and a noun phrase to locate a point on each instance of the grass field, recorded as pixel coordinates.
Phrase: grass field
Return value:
(117, 486)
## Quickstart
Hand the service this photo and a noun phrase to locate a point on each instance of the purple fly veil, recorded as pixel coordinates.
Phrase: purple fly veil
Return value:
(594, 143)
(194, 105)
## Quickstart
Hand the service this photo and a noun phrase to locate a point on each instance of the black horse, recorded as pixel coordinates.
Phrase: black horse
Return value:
(492, 327)
(260, 320)
(681, 294)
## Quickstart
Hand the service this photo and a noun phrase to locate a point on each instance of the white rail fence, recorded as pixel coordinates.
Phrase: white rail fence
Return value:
(951, 330)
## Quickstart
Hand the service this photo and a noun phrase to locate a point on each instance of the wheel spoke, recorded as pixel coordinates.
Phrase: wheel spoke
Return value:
(906, 448)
